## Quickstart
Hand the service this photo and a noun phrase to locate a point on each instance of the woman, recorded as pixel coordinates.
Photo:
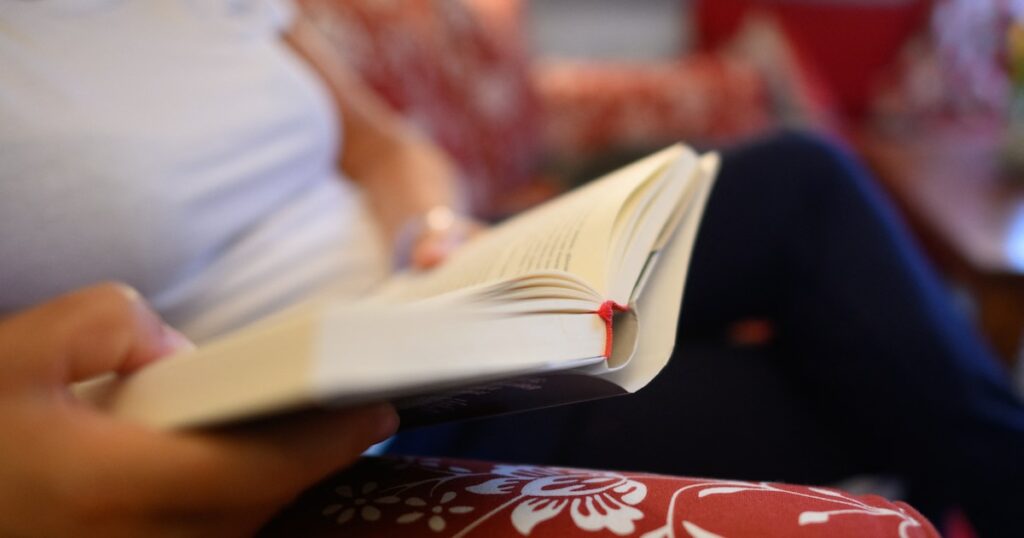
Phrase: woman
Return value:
(187, 148)
(190, 149)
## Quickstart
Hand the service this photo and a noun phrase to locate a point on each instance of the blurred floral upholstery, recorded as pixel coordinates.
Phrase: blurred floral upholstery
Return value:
(595, 106)
(431, 497)
(460, 70)
(438, 64)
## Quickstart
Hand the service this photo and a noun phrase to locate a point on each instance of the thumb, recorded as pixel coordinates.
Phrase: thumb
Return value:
(297, 450)
(432, 249)
(95, 330)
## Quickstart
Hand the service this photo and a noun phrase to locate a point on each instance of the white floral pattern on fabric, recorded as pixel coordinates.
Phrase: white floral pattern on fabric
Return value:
(596, 500)
(433, 498)
(436, 521)
(350, 504)
(852, 506)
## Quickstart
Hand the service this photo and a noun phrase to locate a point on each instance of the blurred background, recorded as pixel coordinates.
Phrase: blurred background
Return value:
(531, 97)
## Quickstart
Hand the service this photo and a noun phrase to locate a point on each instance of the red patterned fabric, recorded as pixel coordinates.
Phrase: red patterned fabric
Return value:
(431, 497)
(596, 106)
(459, 70)
(453, 75)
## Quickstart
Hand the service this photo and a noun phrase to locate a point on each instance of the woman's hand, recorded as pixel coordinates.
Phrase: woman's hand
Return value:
(428, 239)
(67, 469)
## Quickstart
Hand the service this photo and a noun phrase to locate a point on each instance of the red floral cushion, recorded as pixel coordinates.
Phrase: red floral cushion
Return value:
(432, 497)
(848, 44)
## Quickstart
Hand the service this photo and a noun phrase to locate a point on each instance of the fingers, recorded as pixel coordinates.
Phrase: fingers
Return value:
(103, 328)
(255, 466)
(297, 451)
(435, 246)
(432, 249)
(113, 474)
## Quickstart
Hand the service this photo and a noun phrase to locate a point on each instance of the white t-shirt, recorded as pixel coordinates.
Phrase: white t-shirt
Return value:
(176, 145)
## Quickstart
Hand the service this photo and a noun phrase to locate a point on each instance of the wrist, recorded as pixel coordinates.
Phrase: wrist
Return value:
(438, 221)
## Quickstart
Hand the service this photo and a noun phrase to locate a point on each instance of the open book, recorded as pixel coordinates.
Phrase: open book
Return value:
(575, 299)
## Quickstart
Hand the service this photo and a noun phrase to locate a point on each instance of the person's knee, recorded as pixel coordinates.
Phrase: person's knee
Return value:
(812, 150)
(817, 164)
(788, 179)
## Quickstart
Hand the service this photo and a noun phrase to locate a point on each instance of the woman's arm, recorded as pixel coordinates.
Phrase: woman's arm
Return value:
(409, 181)
(69, 470)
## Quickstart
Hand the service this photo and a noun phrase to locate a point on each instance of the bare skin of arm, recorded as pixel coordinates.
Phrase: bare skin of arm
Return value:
(69, 470)
(403, 174)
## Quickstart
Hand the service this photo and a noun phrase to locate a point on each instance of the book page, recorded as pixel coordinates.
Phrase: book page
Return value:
(515, 324)
(348, 354)
(658, 305)
(571, 234)
(658, 211)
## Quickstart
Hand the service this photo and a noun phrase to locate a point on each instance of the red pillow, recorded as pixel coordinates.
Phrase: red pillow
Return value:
(431, 497)
(848, 44)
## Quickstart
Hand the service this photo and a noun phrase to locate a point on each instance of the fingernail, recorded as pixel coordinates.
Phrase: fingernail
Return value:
(387, 421)
(129, 292)
(427, 257)
(174, 341)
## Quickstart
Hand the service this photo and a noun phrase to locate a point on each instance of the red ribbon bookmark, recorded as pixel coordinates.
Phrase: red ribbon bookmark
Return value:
(605, 312)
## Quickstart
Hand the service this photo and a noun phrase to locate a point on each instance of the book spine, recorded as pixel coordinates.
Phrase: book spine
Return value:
(607, 312)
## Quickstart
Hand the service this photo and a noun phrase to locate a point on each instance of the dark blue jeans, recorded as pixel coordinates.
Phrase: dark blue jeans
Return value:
(870, 369)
